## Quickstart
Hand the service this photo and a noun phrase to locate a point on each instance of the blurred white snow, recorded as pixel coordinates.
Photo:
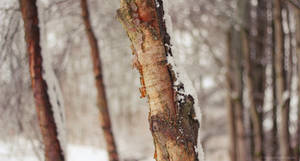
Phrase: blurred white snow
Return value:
(11, 152)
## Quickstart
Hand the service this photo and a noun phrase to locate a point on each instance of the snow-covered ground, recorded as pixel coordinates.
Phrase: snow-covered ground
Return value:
(74, 153)
(21, 150)
(82, 153)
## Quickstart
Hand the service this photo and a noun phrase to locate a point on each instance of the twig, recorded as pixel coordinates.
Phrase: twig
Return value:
(295, 3)
(9, 9)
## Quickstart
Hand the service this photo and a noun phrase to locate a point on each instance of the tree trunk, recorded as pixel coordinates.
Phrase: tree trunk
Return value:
(230, 100)
(281, 82)
(255, 76)
(172, 113)
(254, 113)
(53, 149)
(258, 61)
(234, 79)
(101, 98)
(297, 147)
(274, 136)
(239, 105)
(251, 139)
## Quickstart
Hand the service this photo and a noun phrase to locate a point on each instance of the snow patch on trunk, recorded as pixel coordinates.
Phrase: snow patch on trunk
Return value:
(285, 96)
(56, 100)
(183, 78)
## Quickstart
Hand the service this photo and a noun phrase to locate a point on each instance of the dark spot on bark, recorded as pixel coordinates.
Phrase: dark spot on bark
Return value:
(172, 74)
(155, 126)
(163, 62)
(163, 125)
(180, 87)
(98, 76)
(162, 25)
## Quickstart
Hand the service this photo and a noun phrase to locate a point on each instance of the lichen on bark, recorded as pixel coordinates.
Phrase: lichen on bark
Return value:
(172, 117)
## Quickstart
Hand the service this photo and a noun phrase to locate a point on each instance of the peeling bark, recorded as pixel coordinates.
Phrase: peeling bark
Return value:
(101, 98)
(53, 149)
(172, 120)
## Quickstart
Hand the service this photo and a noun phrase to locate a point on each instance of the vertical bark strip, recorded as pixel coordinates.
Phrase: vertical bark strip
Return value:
(172, 116)
(281, 82)
(297, 147)
(259, 60)
(255, 75)
(274, 137)
(53, 149)
(234, 79)
(254, 113)
(289, 34)
(238, 99)
(101, 98)
(230, 100)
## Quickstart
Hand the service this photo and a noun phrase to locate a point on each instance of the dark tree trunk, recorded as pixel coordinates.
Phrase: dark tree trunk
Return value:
(255, 76)
(234, 79)
(230, 100)
(274, 136)
(258, 61)
(297, 147)
(53, 149)
(101, 98)
(239, 105)
(281, 82)
(254, 113)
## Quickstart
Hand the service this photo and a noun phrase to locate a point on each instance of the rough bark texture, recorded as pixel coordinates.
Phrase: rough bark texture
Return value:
(172, 120)
(255, 76)
(53, 150)
(101, 98)
(281, 82)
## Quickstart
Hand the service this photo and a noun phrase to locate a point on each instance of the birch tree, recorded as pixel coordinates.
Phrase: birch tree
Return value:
(53, 147)
(172, 116)
(101, 98)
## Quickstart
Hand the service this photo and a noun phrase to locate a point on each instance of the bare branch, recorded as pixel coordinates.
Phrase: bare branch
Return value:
(295, 3)
(7, 9)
